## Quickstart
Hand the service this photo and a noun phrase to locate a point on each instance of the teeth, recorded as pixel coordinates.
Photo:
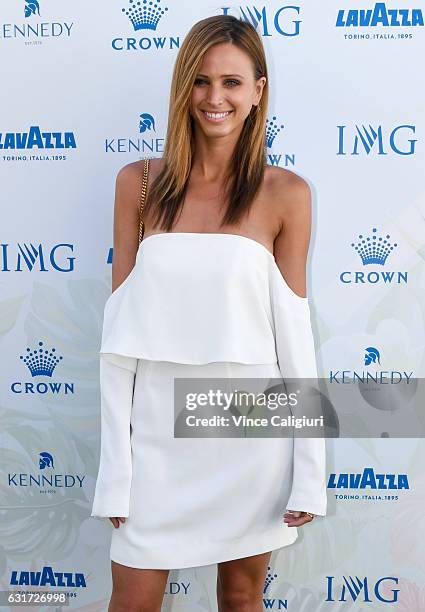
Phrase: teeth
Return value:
(216, 115)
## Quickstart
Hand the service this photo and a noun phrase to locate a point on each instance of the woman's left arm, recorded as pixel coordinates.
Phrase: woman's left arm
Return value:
(294, 338)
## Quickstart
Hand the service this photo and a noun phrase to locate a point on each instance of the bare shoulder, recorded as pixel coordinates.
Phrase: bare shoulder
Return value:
(129, 176)
(288, 193)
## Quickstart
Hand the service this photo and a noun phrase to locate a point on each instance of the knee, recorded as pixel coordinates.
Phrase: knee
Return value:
(125, 602)
(236, 599)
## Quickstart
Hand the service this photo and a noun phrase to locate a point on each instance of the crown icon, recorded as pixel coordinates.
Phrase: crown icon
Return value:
(373, 249)
(144, 14)
(272, 130)
(40, 362)
(269, 579)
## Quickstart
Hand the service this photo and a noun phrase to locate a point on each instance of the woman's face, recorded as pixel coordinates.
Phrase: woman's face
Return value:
(224, 91)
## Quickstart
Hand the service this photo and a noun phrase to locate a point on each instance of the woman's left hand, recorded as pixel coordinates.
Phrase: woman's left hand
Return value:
(295, 518)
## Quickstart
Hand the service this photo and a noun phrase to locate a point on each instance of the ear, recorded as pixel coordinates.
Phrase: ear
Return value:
(259, 86)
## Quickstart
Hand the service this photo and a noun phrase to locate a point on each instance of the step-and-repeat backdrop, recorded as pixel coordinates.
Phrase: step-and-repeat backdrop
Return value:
(85, 91)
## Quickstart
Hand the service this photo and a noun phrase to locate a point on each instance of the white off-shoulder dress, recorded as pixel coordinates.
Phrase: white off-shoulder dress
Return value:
(200, 305)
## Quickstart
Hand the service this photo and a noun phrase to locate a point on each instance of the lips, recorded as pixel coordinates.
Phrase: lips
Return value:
(216, 117)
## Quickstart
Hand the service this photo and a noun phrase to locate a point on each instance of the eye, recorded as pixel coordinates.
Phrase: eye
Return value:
(232, 82)
(199, 81)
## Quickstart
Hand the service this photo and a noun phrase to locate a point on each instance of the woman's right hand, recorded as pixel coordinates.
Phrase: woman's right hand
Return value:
(116, 520)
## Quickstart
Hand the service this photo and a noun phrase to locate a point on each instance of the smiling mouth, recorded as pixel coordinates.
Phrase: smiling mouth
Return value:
(216, 117)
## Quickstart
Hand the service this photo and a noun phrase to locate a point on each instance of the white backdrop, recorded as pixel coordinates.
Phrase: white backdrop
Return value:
(346, 87)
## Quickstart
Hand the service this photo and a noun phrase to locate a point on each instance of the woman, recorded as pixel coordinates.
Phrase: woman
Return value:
(216, 288)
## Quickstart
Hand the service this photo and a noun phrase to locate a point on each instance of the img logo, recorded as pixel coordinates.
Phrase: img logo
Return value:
(33, 30)
(374, 374)
(355, 588)
(47, 480)
(373, 250)
(148, 144)
(284, 21)
(33, 258)
(41, 362)
(371, 140)
(273, 129)
(31, 8)
(144, 16)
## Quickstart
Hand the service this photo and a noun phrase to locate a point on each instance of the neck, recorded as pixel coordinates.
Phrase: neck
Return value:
(213, 156)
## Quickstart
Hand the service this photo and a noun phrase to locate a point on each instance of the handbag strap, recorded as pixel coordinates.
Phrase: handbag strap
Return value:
(143, 198)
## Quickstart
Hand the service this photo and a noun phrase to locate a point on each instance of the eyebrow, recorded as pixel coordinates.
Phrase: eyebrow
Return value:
(223, 75)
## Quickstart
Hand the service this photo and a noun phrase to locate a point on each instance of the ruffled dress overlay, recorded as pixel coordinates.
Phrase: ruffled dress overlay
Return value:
(200, 305)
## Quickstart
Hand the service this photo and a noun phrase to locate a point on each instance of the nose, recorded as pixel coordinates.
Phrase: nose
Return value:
(214, 95)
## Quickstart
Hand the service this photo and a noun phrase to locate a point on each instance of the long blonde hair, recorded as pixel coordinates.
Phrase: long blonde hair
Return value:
(246, 169)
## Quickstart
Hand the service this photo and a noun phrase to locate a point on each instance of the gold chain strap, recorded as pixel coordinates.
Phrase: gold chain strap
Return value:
(143, 198)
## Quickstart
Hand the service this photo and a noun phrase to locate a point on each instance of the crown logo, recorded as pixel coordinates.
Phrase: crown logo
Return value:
(144, 14)
(272, 130)
(373, 250)
(269, 579)
(41, 362)
(31, 8)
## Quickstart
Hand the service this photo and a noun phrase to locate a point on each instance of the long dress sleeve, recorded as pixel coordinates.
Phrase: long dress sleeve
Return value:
(297, 359)
(112, 492)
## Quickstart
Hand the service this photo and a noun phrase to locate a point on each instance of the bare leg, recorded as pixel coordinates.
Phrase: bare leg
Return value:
(137, 590)
(240, 583)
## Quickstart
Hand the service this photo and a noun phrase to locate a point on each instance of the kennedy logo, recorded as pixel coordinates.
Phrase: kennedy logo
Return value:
(145, 16)
(283, 22)
(362, 139)
(35, 28)
(372, 359)
(374, 250)
(47, 481)
(150, 143)
(31, 8)
(41, 362)
(146, 123)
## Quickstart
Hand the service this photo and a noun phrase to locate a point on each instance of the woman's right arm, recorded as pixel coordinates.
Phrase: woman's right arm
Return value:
(117, 372)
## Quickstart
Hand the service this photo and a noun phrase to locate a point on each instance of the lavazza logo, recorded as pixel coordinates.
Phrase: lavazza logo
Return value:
(36, 144)
(373, 251)
(144, 17)
(31, 25)
(147, 142)
(379, 22)
(47, 480)
(41, 362)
